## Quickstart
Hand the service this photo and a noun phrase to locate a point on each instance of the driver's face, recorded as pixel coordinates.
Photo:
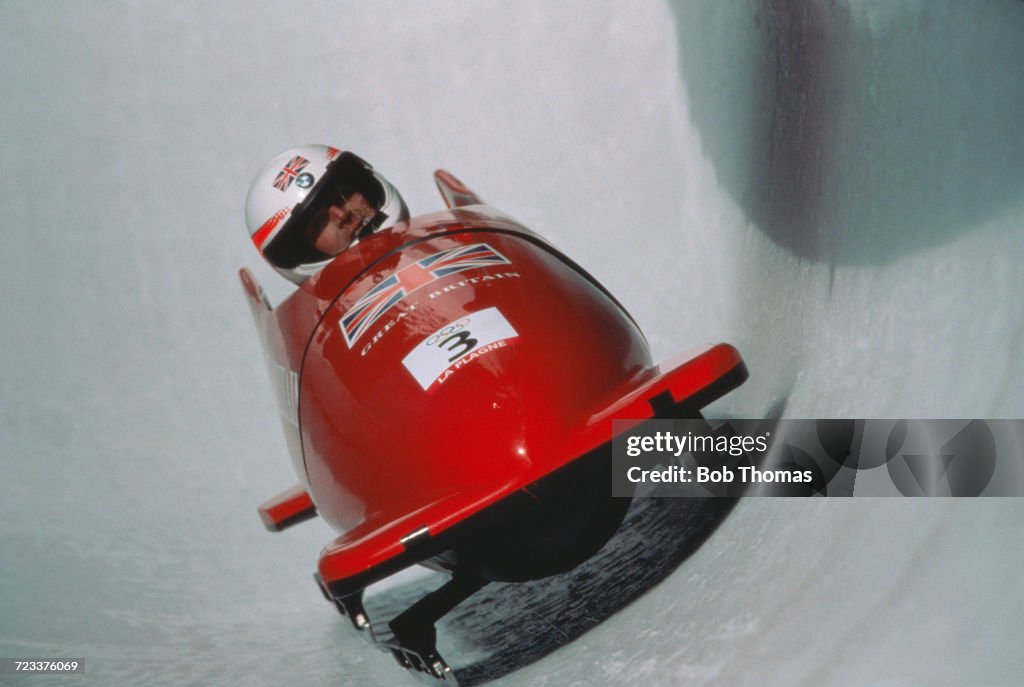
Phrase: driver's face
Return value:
(343, 223)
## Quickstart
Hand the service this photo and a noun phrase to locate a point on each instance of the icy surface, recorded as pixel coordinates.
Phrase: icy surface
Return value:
(836, 188)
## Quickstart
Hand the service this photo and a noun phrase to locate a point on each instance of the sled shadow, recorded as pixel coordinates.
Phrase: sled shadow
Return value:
(857, 136)
(507, 626)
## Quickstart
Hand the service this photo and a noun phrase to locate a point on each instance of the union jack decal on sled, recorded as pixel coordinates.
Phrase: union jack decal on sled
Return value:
(384, 295)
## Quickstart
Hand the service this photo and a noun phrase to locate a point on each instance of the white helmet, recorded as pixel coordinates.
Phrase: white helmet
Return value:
(296, 187)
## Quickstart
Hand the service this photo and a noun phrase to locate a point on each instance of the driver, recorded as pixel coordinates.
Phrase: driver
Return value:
(311, 203)
(335, 227)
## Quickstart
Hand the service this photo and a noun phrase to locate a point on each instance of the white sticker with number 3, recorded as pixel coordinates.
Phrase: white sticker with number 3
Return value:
(453, 344)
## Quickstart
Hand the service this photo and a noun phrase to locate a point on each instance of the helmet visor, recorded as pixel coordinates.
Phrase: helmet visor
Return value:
(345, 205)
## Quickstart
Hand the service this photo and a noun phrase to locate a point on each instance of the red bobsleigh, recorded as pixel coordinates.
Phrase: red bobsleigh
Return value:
(447, 390)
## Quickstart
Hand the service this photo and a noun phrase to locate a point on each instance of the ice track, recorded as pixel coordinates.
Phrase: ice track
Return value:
(837, 188)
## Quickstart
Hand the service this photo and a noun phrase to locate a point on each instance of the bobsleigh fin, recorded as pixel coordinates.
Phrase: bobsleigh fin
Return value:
(288, 508)
(454, 192)
(254, 292)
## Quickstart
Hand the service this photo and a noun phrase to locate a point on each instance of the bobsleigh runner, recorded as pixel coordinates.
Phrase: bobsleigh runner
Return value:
(447, 387)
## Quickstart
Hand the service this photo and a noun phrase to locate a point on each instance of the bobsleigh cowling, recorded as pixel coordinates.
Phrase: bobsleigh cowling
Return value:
(447, 390)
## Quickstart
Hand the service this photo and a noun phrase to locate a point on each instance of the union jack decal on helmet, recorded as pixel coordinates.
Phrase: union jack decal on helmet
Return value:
(291, 170)
(378, 300)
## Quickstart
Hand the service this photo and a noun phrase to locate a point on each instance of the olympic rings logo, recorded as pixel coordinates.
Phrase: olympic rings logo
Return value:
(446, 332)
